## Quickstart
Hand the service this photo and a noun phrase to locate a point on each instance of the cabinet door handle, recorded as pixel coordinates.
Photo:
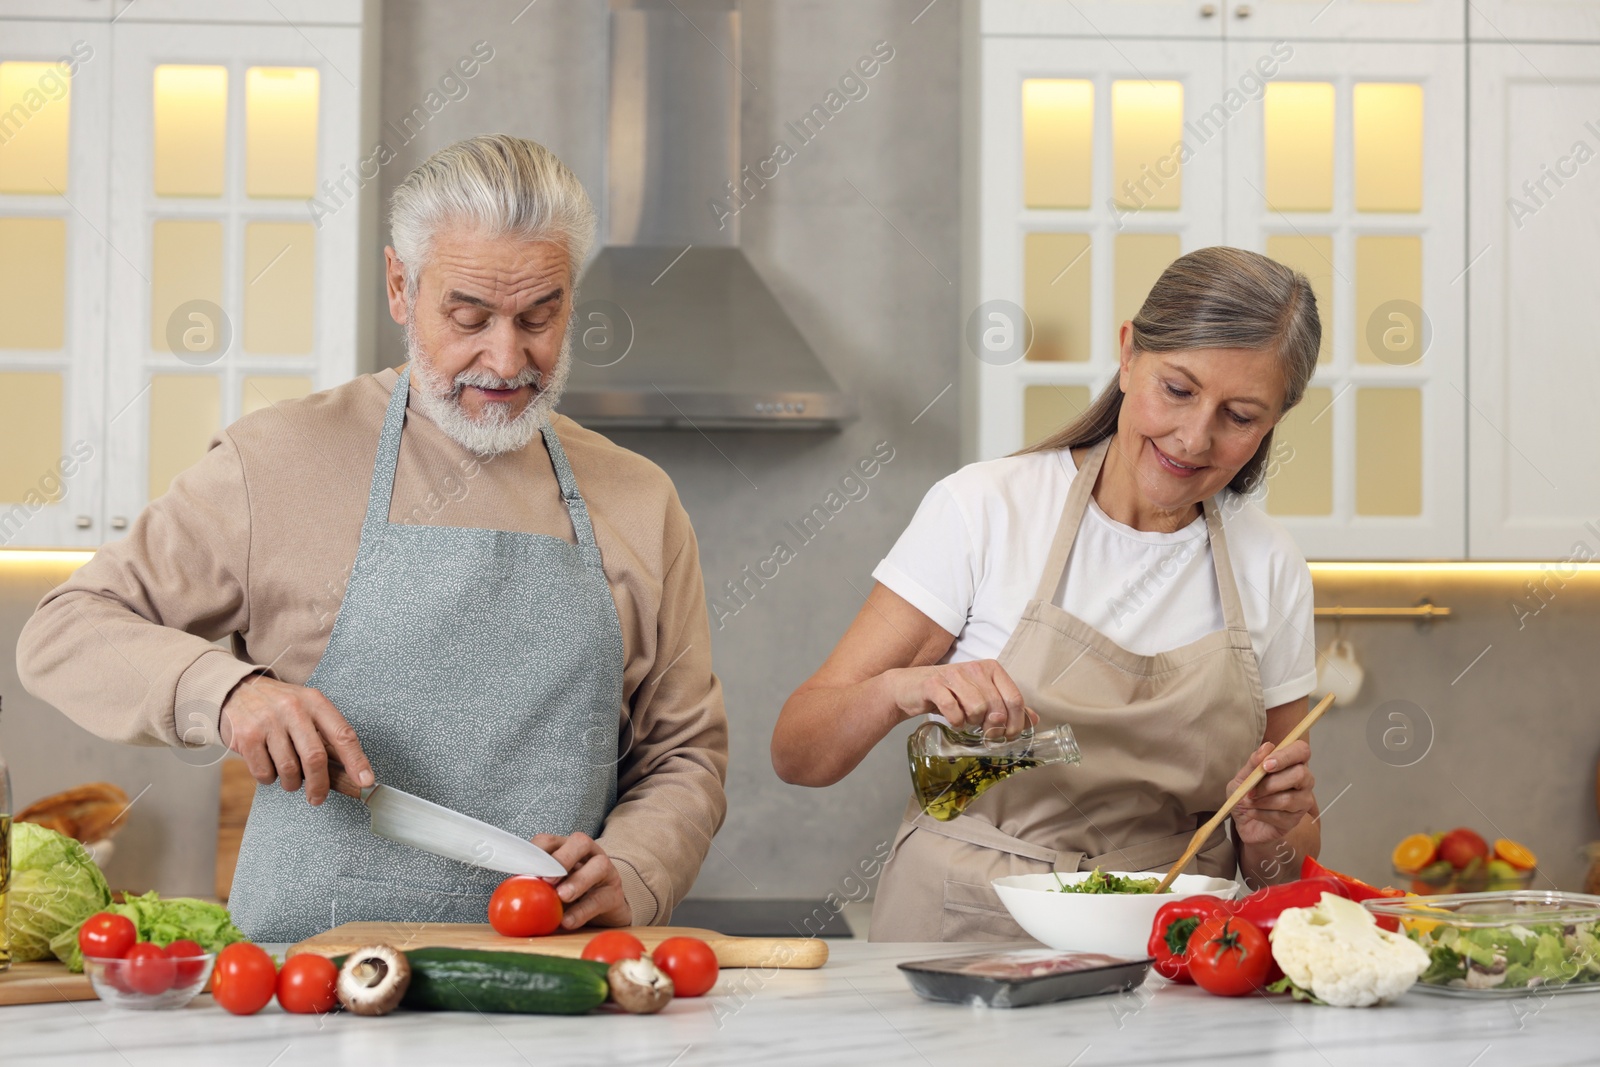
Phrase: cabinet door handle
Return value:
(119, 522)
(83, 522)
(1208, 10)
(1242, 11)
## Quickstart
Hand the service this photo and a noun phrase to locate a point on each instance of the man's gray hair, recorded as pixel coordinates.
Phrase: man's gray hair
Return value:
(500, 185)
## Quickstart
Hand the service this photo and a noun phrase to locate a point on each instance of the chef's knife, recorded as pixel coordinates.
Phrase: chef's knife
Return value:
(409, 820)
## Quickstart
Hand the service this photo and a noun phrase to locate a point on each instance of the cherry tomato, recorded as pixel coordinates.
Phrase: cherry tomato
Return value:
(147, 969)
(307, 985)
(107, 936)
(244, 978)
(689, 962)
(184, 953)
(613, 945)
(1229, 956)
(524, 906)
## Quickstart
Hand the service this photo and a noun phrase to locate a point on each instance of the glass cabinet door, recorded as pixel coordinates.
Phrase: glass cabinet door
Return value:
(54, 101)
(1096, 173)
(235, 289)
(1339, 169)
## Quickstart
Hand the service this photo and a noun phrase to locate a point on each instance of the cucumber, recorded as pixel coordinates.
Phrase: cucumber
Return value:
(460, 979)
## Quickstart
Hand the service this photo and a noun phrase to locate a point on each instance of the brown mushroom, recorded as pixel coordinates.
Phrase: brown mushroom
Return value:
(373, 979)
(639, 986)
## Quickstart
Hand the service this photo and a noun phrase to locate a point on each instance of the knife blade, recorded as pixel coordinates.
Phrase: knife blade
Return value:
(410, 820)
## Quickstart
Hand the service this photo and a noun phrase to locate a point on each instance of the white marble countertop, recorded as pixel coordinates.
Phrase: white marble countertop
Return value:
(858, 1009)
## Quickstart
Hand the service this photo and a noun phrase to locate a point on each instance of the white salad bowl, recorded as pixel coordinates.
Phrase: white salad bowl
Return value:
(1117, 924)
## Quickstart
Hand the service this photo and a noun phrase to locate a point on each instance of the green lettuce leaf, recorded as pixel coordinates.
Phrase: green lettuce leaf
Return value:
(162, 922)
(1287, 985)
(55, 885)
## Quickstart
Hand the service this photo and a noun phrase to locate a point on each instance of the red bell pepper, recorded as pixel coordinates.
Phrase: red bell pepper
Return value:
(1169, 934)
(1265, 905)
(1355, 889)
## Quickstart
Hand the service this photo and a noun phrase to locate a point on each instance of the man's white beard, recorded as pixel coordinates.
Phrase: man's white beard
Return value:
(491, 433)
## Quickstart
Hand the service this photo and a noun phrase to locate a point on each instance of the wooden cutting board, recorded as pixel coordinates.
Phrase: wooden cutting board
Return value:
(43, 982)
(790, 952)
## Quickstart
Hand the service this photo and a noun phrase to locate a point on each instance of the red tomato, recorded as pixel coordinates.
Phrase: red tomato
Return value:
(613, 945)
(244, 979)
(689, 962)
(147, 969)
(524, 906)
(107, 936)
(185, 955)
(307, 984)
(1229, 956)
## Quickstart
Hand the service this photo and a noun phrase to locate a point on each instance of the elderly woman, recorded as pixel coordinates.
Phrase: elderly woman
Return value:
(1115, 578)
(433, 576)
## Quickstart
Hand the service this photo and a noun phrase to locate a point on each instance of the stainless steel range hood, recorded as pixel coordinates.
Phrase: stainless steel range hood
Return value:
(674, 326)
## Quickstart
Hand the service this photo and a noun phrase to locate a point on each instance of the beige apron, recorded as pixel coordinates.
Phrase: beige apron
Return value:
(1161, 736)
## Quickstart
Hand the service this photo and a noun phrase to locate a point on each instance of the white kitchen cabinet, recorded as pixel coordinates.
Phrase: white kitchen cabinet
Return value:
(195, 183)
(1534, 227)
(1332, 156)
(1496, 21)
(1341, 169)
(236, 285)
(55, 96)
(1344, 20)
(1081, 200)
(1201, 19)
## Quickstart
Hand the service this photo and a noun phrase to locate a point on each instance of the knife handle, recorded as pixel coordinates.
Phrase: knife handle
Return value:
(340, 781)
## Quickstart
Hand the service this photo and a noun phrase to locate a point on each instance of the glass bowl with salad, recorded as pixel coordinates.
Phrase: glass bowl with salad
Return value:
(1098, 911)
(1505, 944)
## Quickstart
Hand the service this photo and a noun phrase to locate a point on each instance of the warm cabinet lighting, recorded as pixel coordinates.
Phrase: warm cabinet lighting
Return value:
(1388, 268)
(1387, 120)
(280, 107)
(185, 413)
(1301, 482)
(1448, 568)
(1057, 142)
(190, 129)
(1146, 139)
(33, 283)
(279, 287)
(1299, 146)
(1048, 408)
(185, 266)
(1388, 451)
(36, 102)
(1312, 255)
(1055, 294)
(30, 436)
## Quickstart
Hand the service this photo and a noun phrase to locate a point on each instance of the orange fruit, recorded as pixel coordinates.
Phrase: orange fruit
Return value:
(1414, 853)
(1516, 855)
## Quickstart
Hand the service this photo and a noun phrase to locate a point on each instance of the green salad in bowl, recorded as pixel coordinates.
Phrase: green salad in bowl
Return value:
(1101, 882)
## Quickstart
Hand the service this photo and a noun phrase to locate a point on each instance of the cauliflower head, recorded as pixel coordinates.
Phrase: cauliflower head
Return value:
(1337, 951)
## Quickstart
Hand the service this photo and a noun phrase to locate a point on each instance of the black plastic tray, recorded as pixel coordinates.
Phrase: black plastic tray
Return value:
(1020, 978)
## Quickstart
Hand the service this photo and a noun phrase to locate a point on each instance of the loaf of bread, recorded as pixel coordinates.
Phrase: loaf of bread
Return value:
(89, 813)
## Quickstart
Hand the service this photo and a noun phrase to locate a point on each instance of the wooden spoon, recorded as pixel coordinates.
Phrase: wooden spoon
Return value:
(1245, 786)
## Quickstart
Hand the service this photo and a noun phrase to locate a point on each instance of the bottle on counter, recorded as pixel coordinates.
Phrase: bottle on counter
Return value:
(5, 860)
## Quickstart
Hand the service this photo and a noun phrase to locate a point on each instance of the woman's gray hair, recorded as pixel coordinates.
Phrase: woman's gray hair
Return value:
(1216, 297)
(500, 185)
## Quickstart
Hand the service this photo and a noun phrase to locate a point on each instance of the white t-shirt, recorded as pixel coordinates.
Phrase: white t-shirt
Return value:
(972, 557)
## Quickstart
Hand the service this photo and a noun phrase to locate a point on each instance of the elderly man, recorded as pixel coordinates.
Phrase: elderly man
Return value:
(506, 617)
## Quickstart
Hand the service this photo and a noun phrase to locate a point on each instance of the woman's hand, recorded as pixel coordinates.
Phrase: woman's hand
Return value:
(592, 889)
(1281, 799)
(974, 695)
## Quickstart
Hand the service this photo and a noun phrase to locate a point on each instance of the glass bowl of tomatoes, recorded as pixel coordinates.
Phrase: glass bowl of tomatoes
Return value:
(148, 979)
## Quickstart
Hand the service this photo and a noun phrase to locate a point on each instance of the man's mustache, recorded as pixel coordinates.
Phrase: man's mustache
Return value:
(485, 380)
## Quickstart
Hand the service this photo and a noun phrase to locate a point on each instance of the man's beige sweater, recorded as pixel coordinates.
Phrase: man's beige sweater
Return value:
(256, 541)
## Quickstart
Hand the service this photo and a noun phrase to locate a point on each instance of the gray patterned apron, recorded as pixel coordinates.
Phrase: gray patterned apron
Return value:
(481, 669)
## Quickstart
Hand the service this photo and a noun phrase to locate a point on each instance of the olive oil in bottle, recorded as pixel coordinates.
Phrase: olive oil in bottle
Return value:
(945, 785)
(950, 770)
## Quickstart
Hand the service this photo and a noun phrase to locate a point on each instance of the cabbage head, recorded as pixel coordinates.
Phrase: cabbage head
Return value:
(55, 885)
